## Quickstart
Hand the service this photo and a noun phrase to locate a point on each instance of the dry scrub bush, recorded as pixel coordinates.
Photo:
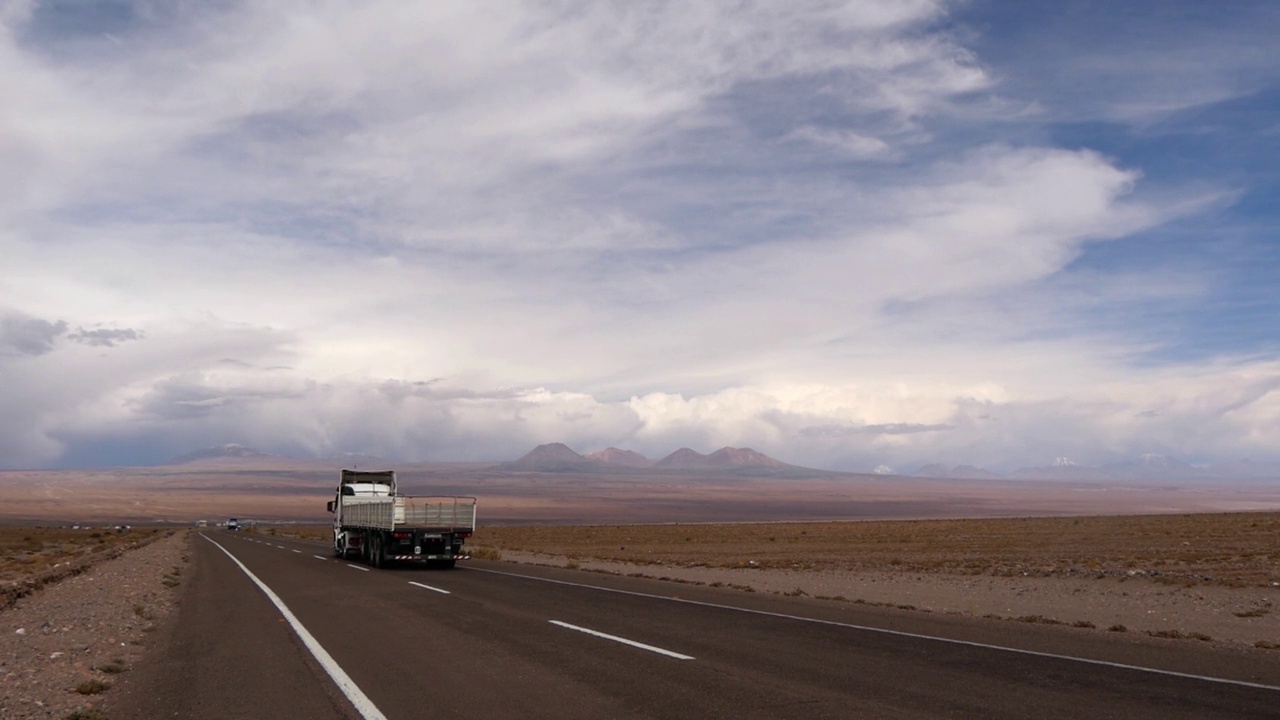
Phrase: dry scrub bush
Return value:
(485, 553)
(93, 687)
(115, 667)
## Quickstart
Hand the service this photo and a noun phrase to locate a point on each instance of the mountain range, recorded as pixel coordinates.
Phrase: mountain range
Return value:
(230, 450)
(559, 458)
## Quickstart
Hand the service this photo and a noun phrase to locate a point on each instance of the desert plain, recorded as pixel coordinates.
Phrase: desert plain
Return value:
(1150, 562)
(289, 491)
(1172, 559)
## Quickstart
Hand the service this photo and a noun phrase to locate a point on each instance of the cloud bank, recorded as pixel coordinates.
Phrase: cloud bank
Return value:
(835, 232)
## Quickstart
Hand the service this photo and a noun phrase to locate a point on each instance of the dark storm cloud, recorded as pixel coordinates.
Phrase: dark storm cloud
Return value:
(26, 335)
(193, 396)
(22, 334)
(104, 337)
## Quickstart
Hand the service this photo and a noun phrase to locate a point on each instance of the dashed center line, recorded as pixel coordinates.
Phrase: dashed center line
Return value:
(319, 557)
(428, 587)
(361, 569)
(898, 633)
(298, 551)
(624, 641)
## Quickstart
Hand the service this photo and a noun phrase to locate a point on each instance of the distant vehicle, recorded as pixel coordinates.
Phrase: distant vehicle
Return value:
(375, 523)
(233, 524)
(202, 523)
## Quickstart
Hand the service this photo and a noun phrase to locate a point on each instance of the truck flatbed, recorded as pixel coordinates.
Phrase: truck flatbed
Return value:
(378, 524)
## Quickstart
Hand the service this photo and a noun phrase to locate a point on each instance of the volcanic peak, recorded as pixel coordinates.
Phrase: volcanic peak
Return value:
(551, 457)
(742, 457)
(621, 458)
(682, 458)
(726, 457)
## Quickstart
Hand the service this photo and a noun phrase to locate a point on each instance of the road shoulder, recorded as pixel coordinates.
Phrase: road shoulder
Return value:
(226, 657)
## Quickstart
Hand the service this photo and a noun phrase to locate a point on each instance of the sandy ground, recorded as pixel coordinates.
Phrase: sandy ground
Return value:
(1248, 616)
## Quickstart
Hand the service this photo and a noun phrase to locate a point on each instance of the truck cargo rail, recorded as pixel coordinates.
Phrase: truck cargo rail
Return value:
(451, 514)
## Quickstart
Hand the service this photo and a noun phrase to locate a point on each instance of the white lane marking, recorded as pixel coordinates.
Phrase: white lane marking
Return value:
(446, 592)
(624, 641)
(899, 633)
(280, 546)
(319, 558)
(358, 567)
(298, 551)
(362, 703)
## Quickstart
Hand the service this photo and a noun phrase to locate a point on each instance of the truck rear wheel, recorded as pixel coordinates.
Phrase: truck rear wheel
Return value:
(377, 550)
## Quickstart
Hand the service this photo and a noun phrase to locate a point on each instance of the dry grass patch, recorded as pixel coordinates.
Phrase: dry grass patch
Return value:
(25, 551)
(1236, 549)
(31, 557)
(485, 553)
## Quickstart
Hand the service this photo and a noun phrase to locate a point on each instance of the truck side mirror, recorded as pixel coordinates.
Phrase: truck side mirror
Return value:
(329, 506)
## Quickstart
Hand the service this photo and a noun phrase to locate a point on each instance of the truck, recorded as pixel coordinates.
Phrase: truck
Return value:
(233, 524)
(375, 523)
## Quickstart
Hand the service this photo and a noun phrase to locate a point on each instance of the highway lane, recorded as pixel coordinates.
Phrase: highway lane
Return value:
(228, 656)
(489, 648)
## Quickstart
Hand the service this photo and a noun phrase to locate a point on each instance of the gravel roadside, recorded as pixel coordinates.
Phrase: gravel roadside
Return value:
(62, 646)
(1248, 616)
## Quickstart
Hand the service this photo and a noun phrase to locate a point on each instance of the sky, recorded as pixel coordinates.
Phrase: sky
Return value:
(846, 234)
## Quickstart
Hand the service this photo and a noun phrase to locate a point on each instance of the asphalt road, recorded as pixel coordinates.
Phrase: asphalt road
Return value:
(497, 640)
